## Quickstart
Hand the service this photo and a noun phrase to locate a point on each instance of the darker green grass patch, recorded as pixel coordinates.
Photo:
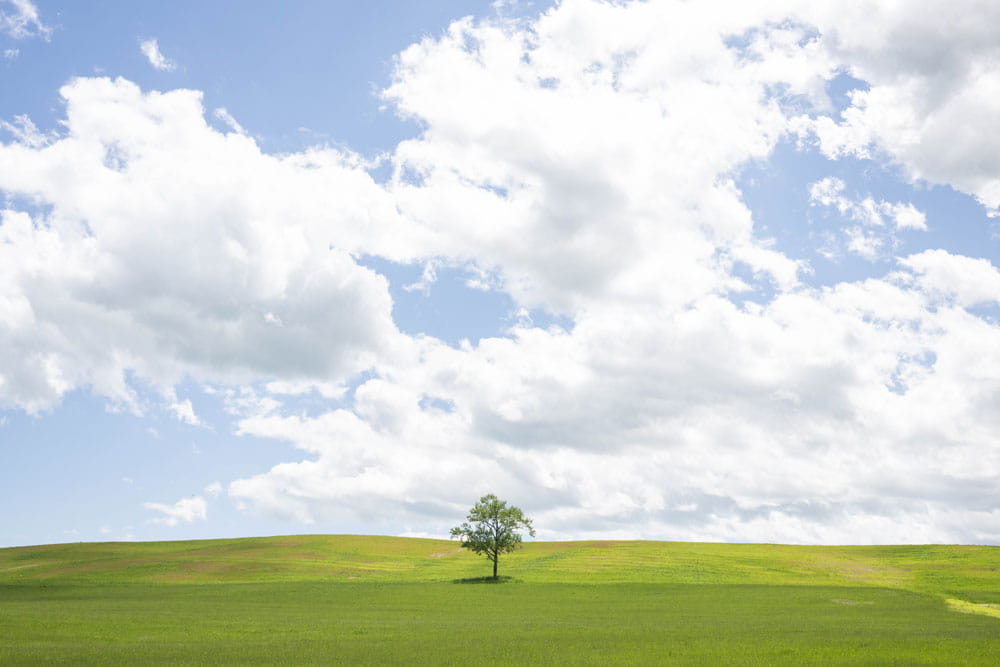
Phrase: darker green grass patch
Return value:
(372, 623)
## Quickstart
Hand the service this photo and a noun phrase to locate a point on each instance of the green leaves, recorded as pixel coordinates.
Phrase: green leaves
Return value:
(491, 528)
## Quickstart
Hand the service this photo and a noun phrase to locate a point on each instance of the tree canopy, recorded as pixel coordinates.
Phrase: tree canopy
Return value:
(491, 528)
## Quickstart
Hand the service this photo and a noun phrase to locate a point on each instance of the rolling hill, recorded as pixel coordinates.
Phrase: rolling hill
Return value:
(309, 599)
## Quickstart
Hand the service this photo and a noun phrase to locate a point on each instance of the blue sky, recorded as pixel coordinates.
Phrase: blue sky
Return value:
(647, 270)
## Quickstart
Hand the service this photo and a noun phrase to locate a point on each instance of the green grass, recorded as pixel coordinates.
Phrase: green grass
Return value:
(379, 600)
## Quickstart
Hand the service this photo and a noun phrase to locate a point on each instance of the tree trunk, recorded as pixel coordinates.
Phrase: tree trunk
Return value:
(494, 567)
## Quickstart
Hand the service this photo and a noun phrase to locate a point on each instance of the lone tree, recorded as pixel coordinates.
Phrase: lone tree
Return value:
(491, 528)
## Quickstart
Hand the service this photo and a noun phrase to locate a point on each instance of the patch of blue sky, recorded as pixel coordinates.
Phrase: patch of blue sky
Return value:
(428, 402)
(38, 209)
(309, 404)
(760, 288)
(839, 91)
(543, 319)
(898, 382)
(742, 41)
(958, 223)
(293, 74)
(777, 192)
(90, 471)
(989, 312)
(449, 308)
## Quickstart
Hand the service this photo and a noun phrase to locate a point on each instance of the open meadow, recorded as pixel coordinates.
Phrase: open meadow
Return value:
(362, 599)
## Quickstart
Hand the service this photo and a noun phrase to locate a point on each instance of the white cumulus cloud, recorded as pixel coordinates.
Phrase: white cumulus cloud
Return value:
(594, 151)
(585, 164)
(970, 281)
(171, 248)
(932, 99)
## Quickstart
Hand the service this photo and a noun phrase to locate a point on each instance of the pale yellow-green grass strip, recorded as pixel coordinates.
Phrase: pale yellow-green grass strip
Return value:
(965, 607)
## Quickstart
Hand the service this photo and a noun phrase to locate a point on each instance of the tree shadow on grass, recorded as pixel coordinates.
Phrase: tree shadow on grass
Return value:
(486, 580)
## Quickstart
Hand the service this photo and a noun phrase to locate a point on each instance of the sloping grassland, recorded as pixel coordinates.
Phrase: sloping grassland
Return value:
(944, 570)
(342, 599)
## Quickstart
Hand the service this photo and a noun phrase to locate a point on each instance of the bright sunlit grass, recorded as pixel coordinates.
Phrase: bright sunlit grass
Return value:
(363, 599)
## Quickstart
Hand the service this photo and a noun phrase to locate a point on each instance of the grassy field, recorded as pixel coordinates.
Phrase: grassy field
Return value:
(378, 600)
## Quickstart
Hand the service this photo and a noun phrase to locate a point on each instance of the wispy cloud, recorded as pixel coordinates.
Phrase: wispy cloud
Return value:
(26, 132)
(873, 236)
(21, 22)
(222, 114)
(151, 49)
(187, 510)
